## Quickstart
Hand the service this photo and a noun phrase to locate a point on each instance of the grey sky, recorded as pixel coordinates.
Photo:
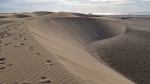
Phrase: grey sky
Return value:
(82, 6)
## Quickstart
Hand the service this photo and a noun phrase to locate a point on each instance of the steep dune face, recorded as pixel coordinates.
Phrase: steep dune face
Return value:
(83, 30)
(66, 38)
(128, 53)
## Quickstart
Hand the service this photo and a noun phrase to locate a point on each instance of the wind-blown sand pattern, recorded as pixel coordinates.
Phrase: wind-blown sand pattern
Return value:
(72, 48)
(129, 52)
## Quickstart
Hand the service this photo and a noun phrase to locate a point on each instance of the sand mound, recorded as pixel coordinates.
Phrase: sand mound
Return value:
(41, 13)
(62, 14)
(68, 14)
(19, 16)
(14, 16)
(52, 49)
(67, 37)
(83, 30)
(128, 53)
(3, 16)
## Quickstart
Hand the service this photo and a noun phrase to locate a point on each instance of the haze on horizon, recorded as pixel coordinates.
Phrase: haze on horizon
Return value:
(81, 6)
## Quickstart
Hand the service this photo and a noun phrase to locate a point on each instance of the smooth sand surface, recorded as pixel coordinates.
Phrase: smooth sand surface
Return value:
(72, 48)
(127, 53)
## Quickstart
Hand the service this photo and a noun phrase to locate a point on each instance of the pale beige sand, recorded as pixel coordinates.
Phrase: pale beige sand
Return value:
(52, 49)
(66, 38)
(15, 17)
(127, 53)
(24, 15)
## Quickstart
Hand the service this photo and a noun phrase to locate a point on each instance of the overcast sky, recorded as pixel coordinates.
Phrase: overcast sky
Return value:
(81, 6)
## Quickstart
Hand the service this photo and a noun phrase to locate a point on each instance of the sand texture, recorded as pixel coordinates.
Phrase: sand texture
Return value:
(72, 48)
(127, 53)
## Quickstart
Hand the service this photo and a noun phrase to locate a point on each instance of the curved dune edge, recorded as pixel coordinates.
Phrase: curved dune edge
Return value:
(69, 47)
(129, 53)
(24, 60)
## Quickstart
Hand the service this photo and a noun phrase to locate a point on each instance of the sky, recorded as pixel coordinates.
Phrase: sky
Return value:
(80, 6)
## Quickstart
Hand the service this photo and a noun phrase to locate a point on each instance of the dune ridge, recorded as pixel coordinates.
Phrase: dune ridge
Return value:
(128, 53)
(72, 48)
(67, 37)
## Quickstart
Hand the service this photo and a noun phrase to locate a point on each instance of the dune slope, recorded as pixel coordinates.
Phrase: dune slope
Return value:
(24, 61)
(66, 38)
(128, 53)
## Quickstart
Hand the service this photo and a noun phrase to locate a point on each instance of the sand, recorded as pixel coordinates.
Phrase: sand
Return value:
(127, 53)
(72, 48)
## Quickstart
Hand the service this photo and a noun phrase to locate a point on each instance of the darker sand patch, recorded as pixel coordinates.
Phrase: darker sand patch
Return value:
(49, 62)
(2, 60)
(45, 80)
(126, 17)
(128, 54)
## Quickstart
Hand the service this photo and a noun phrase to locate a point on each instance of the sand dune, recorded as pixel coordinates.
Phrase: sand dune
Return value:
(14, 16)
(8, 18)
(128, 53)
(24, 15)
(19, 16)
(41, 13)
(83, 30)
(67, 37)
(73, 48)
(26, 61)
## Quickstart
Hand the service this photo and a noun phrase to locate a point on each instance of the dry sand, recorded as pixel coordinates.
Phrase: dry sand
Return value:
(72, 48)
(127, 53)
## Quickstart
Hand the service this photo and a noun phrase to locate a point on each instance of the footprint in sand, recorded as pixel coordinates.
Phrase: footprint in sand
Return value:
(94, 51)
(22, 44)
(2, 68)
(31, 48)
(7, 44)
(24, 39)
(23, 33)
(39, 54)
(45, 80)
(2, 60)
(49, 62)
(19, 45)
(9, 65)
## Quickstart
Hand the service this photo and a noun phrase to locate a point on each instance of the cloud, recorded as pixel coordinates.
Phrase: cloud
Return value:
(77, 2)
(107, 0)
(72, 5)
(145, 0)
(32, 1)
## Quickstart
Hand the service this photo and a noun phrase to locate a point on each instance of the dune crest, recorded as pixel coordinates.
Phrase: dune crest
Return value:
(54, 48)
(67, 37)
